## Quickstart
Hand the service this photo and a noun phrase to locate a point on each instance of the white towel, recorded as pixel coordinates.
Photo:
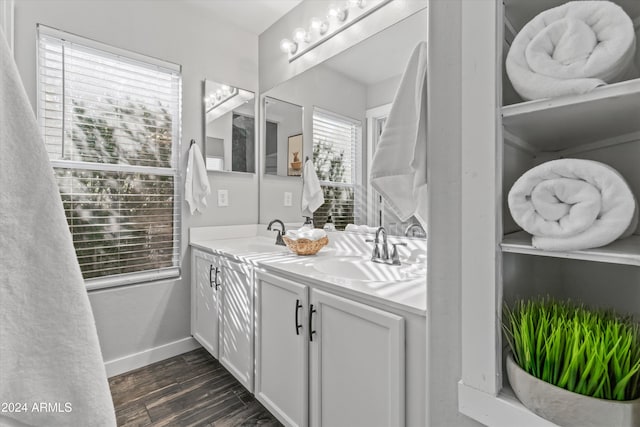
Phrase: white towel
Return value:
(573, 204)
(312, 194)
(306, 233)
(196, 184)
(572, 49)
(399, 167)
(49, 350)
(361, 229)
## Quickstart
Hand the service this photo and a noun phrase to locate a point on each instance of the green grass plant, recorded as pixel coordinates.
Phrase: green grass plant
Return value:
(592, 352)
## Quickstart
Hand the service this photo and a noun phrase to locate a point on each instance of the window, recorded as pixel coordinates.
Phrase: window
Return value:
(336, 156)
(111, 125)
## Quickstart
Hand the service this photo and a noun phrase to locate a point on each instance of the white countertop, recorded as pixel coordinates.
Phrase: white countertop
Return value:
(260, 251)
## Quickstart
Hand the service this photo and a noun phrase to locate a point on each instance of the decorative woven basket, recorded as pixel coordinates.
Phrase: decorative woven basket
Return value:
(305, 246)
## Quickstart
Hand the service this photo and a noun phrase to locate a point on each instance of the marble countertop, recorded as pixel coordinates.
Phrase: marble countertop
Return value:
(260, 251)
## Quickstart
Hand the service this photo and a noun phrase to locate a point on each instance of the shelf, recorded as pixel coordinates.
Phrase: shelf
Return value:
(625, 251)
(569, 122)
(503, 410)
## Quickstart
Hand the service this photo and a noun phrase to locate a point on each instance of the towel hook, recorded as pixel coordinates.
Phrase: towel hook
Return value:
(193, 141)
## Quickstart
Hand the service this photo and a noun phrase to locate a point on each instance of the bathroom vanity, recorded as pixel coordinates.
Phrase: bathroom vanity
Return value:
(331, 339)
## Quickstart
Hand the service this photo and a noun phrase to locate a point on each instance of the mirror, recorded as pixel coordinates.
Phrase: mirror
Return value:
(283, 138)
(346, 100)
(229, 128)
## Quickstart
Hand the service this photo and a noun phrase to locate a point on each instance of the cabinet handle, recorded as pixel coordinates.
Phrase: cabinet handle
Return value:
(311, 331)
(298, 325)
(210, 273)
(216, 279)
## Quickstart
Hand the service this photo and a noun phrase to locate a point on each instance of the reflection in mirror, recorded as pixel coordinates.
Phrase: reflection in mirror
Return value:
(229, 117)
(283, 138)
(347, 99)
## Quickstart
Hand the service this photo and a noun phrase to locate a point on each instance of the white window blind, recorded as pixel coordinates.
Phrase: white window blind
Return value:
(111, 125)
(337, 159)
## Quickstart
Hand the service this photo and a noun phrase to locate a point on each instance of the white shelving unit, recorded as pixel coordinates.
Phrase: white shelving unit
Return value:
(602, 125)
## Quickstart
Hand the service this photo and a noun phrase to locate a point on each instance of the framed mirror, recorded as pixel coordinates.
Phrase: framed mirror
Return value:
(229, 128)
(283, 147)
(346, 100)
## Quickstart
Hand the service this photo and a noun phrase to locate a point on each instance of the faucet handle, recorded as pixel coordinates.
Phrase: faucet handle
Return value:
(395, 258)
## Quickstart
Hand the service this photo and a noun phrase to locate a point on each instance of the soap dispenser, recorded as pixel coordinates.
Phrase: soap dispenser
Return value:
(308, 222)
(328, 226)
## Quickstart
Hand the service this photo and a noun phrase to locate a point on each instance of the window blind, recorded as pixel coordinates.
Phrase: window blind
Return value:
(111, 125)
(336, 156)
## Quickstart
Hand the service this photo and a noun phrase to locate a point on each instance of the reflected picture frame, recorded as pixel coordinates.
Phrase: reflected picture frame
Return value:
(294, 155)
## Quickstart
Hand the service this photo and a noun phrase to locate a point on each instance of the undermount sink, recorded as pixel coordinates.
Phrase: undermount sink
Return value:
(359, 268)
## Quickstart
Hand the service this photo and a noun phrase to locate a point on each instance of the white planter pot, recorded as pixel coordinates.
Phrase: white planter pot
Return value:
(569, 409)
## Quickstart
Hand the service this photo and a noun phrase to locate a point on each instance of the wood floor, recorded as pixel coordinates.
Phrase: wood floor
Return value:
(191, 389)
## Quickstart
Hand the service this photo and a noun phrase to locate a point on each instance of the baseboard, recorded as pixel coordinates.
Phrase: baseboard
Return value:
(147, 357)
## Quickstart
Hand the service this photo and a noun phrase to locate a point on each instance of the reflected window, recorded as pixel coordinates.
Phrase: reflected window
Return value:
(336, 155)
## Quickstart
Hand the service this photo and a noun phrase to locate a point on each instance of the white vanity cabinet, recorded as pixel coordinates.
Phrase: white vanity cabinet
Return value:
(222, 311)
(236, 320)
(205, 302)
(324, 360)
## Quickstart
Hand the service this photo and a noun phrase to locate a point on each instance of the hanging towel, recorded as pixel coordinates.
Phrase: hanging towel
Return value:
(572, 49)
(196, 185)
(399, 167)
(49, 349)
(573, 204)
(312, 194)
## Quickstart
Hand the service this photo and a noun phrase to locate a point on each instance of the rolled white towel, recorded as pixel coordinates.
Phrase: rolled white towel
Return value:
(573, 204)
(306, 233)
(572, 49)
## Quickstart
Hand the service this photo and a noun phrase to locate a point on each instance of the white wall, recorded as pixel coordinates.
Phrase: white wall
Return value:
(136, 318)
(320, 87)
(383, 92)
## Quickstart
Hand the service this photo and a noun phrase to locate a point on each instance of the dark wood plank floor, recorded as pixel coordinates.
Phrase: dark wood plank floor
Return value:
(191, 389)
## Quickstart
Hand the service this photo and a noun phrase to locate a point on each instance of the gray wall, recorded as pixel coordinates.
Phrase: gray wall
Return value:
(136, 318)
(382, 93)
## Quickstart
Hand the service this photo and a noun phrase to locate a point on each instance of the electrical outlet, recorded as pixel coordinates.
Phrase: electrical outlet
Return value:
(223, 198)
(288, 198)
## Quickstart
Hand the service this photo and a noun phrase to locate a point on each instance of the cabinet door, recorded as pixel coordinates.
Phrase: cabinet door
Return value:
(281, 348)
(204, 301)
(236, 321)
(356, 364)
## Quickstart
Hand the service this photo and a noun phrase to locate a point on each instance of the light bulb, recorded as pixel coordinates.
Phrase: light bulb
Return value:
(300, 35)
(338, 12)
(319, 25)
(287, 46)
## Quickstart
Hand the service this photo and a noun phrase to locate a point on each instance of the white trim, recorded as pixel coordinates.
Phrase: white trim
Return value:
(503, 410)
(149, 356)
(111, 167)
(372, 115)
(122, 53)
(132, 278)
(7, 20)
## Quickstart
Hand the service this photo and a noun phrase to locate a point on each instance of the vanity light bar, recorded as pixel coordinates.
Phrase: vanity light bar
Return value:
(219, 97)
(320, 28)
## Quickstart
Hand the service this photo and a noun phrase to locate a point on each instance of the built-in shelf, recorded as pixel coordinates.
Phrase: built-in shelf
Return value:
(503, 410)
(624, 251)
(605, 116)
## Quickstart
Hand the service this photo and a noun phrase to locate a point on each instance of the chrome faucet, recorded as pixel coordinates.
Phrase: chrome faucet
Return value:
(279, 240)
(410, 231)
(384, 258)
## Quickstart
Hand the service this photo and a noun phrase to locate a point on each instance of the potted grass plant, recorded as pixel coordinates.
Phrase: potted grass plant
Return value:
(574, 366)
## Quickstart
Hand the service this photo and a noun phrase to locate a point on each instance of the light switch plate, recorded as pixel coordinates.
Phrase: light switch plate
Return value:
(223, 198)
(288, 198)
